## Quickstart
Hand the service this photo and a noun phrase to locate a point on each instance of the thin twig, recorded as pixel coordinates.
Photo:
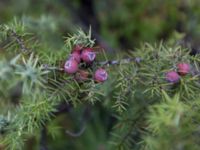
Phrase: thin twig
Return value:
(103, 63)
(76, 134)
(19, 40)
(117, 62)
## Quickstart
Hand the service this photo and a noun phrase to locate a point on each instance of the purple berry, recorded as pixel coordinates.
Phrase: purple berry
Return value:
(71, 66)
(76, 56)
(172, 77)
(183, 68)
(88, 55)
(101, 75)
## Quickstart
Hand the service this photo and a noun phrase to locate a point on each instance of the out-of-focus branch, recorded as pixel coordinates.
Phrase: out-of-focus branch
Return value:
(84, 23)
(84, 119)
(43, 139)
(62, 108)
(76, 134)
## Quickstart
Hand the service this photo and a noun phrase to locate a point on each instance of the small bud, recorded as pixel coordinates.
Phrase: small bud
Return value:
(76, 56)
(101, 75)
(71, 66)
(88, 55)
(82, 75)
(183, 68)
(172, 77)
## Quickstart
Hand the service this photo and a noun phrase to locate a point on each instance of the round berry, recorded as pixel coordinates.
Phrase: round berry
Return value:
(88, 55)
(172, 76)
(101, 75)
(183, 68)
(82, 75)
(76, 56)
(71, 66)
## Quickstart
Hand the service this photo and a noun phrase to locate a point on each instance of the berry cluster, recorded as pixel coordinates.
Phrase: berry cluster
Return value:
(83, 55)
(174, 76)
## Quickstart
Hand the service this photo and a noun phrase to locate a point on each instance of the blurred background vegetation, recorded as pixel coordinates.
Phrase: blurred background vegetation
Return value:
(121, 24)
(117, 25)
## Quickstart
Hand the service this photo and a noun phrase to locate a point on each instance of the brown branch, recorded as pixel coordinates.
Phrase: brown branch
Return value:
(103, 63)
(19, 40)
(117, 62)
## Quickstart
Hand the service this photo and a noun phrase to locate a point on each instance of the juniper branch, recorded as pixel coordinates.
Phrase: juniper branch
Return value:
(102, 63)
(19, 40)
(117, 62)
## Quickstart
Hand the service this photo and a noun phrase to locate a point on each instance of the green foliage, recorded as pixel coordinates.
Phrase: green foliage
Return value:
(3, 123)
(135, 109)
(146, 20)
(80, 38)
(124, 86)
(171, 125)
